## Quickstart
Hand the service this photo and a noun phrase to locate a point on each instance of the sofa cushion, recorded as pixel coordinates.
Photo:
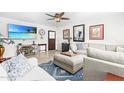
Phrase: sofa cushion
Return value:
(111, 56)
(79, 46)
(16, 67)
(83, 52)
(36, 74)
(112, 47)
(98, 46)
(120, 49)
(33, 62)
(73, 47)
(85, 45)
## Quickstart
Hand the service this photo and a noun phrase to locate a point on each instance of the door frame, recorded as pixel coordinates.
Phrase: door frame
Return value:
(48, 38)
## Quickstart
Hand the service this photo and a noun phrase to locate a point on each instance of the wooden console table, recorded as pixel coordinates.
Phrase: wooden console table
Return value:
(31, 49)
(42, 47)
(27, 50)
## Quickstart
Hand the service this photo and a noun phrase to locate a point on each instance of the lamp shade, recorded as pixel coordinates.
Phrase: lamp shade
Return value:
(10, 50)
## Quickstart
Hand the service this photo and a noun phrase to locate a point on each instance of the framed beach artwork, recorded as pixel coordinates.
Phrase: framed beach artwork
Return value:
(79, 33)
(66, 33)
(96, 32)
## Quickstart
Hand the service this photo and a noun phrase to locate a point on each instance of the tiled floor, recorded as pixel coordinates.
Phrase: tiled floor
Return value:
(44, 57)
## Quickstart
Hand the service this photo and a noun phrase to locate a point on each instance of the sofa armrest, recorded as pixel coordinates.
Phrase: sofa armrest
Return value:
(33, 62)
(95, 69)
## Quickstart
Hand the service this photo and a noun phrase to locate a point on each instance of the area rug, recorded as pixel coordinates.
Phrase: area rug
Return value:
(61, 74)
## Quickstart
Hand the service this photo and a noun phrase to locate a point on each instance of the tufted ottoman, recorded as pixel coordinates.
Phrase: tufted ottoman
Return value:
(70, 64)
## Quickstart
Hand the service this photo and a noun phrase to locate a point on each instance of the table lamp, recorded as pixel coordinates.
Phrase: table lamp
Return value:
(6, 41)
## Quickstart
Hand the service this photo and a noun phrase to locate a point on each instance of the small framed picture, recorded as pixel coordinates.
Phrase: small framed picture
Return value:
(96, 32)
(66, 33)
(79, 33)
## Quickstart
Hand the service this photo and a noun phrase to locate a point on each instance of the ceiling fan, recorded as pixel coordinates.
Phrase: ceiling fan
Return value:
(58, 17)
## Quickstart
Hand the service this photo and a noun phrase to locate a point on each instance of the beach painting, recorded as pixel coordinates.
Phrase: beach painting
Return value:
(21, 32)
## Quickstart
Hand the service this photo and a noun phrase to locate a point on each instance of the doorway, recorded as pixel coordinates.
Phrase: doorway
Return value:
(51, 40)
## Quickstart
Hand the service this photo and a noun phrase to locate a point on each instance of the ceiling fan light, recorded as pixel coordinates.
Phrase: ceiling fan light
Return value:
(57, 19)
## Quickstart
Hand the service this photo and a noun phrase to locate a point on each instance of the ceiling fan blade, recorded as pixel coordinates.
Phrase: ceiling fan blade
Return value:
(63, 18)
(50, 15)
(51, 19)
(61, 14)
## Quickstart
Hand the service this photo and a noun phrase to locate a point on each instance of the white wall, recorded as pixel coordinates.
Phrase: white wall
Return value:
(38, 40)
(113, 28)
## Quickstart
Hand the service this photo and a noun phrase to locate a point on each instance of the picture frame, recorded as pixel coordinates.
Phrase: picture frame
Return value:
(96, 32)
(79, 33)
(66, 33)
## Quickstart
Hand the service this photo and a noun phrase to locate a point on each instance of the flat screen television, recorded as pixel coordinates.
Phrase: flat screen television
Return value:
(21, 32)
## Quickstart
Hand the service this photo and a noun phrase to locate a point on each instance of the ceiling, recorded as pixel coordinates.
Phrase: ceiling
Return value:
(41, 18)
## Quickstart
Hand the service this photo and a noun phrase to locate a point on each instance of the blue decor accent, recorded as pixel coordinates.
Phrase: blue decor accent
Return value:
(79, 46)
(61, 74)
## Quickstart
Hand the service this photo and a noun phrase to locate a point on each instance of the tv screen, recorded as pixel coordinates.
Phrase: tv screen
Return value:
(21, 32)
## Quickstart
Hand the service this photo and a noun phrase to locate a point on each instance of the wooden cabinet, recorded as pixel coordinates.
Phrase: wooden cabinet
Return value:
(65, 47)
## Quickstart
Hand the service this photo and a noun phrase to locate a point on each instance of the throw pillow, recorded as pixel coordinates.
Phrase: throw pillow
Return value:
(73, 47)
(120, 49)
(16, 67)
(79, 46)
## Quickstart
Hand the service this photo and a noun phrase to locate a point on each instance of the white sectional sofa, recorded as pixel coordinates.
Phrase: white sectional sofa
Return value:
(83, 47)
(98, 63)
(73, 64)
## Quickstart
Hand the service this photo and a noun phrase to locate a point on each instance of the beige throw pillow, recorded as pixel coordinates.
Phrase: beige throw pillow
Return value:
(73, 47)
(120, 49)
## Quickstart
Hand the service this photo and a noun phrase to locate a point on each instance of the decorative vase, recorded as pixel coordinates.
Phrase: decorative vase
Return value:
(2, 49)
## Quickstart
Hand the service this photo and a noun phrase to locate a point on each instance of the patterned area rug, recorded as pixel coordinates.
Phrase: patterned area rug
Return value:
(60, 74)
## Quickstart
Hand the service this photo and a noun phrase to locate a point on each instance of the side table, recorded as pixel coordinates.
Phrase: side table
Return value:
(65, 47)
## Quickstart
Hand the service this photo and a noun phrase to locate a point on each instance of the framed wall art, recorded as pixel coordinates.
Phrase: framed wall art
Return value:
(96, 32)
(66, 33)
(79, 33)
